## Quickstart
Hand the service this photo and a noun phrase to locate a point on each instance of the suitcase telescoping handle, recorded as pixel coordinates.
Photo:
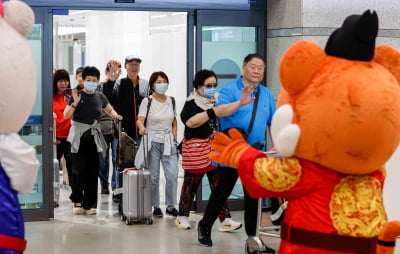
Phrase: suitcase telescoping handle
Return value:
(54, 136)
(145, 140)
(119, 128)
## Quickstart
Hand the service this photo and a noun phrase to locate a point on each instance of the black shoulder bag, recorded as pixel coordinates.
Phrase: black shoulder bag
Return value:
(253, 114)
(257, 145)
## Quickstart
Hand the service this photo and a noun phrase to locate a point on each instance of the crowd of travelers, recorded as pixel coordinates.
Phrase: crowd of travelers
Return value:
(87, 120)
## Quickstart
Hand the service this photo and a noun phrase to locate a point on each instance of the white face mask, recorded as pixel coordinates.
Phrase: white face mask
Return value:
(161, 88)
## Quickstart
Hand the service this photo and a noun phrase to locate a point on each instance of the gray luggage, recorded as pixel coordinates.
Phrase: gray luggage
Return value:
(56, 168)
(136, 196)
(56, 183)
(135, 203)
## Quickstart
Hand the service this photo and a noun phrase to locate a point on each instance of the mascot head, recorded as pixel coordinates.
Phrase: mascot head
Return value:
(17, 71)
(346, 98)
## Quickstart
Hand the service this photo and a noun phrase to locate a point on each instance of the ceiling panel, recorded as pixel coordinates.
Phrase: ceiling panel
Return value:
(147, 4)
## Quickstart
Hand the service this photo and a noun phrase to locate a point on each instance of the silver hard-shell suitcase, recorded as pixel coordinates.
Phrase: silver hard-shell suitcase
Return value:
(56, 168)
(136, 196)
(136, 190)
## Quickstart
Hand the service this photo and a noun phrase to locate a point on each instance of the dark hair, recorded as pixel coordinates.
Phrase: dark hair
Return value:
(91, 71)
(201, 76)
(58, 75)
(249, 57)
(154, 77)
(78, 70)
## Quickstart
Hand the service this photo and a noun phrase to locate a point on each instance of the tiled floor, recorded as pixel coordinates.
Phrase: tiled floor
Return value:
(105, 233)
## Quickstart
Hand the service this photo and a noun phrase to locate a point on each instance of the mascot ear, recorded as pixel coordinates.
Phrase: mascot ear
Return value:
(299, 64)
(390, 59)
(20, 16)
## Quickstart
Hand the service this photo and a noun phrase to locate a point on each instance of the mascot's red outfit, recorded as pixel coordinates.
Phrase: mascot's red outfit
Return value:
(336, 126)
(316, 197)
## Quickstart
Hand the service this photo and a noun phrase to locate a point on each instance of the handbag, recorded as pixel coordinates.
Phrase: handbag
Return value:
(195, 153)
(107, 126)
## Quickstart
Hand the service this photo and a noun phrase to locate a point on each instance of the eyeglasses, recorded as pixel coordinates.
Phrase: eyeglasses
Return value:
(254, 67)
(211, 85)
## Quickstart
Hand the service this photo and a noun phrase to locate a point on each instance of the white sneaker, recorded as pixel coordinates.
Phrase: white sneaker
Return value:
(91, 211)
(182, 222)
(78, 210)
(229, 225)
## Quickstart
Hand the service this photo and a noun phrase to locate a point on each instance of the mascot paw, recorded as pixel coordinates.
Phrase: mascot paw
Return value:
(19, 162)
(228, 149)
(285, 135)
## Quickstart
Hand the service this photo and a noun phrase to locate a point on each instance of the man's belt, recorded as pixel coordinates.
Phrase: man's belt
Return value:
(12, 243)
(328, 241)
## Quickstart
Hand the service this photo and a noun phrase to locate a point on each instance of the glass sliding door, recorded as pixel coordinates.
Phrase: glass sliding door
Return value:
(223, 39)
(37, 131)
(223, 49)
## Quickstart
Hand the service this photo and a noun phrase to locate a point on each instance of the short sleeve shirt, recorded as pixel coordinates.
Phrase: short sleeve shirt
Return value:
(241, 118)
(161, 115)
(89, 107)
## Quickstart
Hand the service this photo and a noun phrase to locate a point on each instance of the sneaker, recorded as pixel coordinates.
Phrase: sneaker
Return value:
(229, 225)
(255, 245)
(91, 211)
(182, 222)
(78, 210)
(203, 235)
(157, 212)
(115, 198)
(105, 191)
(268, 250)
(171, 211)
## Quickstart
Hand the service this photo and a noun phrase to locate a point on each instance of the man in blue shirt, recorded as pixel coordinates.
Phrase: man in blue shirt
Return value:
(255, 125)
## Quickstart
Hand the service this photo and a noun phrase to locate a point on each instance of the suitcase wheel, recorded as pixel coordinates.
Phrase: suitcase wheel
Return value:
(55, 205)
(149, 221)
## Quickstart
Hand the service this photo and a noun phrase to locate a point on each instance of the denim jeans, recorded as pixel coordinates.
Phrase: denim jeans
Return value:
(115, 178)
(105, 164)
(170, 166)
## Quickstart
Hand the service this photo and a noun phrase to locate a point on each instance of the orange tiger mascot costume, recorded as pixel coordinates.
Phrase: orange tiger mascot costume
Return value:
(337, 124)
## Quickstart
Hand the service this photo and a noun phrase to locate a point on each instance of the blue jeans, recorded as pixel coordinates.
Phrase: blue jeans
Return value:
(170, 166)
(104, 164)
(115, 178)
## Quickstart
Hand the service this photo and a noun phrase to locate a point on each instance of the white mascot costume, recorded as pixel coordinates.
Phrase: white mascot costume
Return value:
(18, 163)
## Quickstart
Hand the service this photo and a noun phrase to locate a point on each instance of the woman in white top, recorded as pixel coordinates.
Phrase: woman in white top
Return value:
(158, 122)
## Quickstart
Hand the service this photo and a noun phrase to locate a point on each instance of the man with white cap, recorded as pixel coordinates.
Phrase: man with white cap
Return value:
(128, 94)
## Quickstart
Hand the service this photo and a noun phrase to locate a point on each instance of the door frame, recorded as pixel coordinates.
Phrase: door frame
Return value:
(43, 16)
(195, 19)
(252, 18)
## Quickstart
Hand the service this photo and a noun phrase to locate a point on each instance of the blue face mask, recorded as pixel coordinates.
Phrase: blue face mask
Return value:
(90, 86)
(161, 88)
(209, 92)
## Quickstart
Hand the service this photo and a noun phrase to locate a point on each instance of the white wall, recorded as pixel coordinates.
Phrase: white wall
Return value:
(116, 34)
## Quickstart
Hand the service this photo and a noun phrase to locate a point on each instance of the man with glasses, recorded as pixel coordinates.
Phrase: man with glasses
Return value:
(253, 120)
